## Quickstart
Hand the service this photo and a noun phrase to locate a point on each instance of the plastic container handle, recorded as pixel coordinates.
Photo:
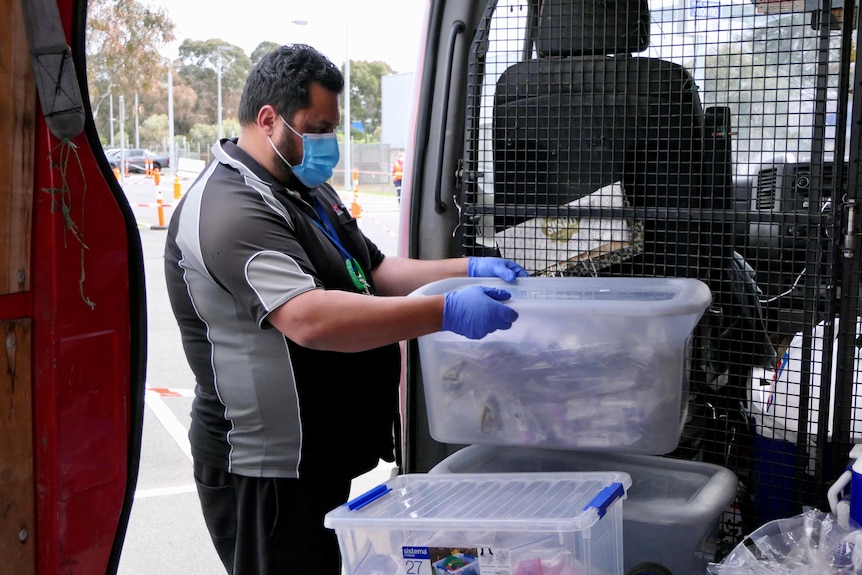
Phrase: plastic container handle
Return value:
(606, 497)
(833, 496)
(834, 493)
(368, 497)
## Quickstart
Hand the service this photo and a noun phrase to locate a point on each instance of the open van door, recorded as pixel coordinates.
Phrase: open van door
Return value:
(72, 309)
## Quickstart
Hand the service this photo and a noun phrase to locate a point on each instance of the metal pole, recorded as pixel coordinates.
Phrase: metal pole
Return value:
(122, 140)
(137, 124)
(219, 93)
(111, 116)
(348, 173)
(172, 147)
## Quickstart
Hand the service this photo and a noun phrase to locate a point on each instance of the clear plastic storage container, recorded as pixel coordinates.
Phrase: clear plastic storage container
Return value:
(488, 524)
(597, 364)
(672, 509)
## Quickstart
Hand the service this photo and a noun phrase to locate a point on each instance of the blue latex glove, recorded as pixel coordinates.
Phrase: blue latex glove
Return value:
(494, 267)
(476, 311)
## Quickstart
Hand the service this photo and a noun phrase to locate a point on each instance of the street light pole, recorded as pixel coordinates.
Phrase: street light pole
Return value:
(348, 178)
(348, 173)
(172, 146)
(137, 124)
(218, 72)
(111, 116)
(122, 140)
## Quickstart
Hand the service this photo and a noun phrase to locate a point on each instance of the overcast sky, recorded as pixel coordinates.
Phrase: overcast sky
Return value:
(386, 30)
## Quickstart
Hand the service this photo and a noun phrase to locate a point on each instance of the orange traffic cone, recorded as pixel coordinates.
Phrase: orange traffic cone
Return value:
(355, 208)
(160, 208)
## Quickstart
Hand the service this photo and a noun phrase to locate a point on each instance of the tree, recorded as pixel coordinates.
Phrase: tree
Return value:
(123, 42)
(262, 49)
(199, 62)
(231, 128)
(365, 92)
(185, 100)
(203, 135)
(154, 132)
(747, 72)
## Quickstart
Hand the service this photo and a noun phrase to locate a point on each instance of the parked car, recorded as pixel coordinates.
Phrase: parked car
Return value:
(135, 159)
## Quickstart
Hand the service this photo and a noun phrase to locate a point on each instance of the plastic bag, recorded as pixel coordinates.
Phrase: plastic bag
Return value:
(812, 543)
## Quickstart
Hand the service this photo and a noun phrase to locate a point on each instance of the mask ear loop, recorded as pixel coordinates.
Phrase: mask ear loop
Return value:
(289, 127)
(269, 139)
(275, 149)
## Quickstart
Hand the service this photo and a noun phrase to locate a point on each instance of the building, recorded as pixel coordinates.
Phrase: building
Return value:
(396, 94)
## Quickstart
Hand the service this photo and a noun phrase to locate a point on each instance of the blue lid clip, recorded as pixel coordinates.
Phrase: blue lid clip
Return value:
(606, 497)
(368, 497)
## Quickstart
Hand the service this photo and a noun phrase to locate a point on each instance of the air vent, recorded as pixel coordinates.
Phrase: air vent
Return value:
(830, 187)
(765, 199)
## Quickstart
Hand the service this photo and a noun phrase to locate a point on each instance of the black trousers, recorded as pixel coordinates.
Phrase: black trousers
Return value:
(269, 526)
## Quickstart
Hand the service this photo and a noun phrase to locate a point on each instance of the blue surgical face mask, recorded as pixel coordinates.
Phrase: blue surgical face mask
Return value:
(319, 157)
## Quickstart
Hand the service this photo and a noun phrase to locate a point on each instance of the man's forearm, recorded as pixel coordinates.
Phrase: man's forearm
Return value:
(400, 276)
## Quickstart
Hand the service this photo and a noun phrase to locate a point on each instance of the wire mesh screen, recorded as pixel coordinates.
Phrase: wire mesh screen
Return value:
(689, 138)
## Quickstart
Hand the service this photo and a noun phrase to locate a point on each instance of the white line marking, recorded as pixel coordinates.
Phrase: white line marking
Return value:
(170, 422)
(164, 491)
(379, 223)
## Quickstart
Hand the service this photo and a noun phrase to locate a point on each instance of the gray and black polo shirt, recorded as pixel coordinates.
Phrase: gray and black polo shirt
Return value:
(239, 245)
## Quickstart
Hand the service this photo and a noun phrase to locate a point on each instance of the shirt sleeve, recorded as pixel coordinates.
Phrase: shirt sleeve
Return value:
(250, 249)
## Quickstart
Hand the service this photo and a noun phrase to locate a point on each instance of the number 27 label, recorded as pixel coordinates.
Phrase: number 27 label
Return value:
(416, 560)
(461, 560)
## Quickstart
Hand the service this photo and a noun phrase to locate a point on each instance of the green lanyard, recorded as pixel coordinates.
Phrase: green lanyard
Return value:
(353, 267)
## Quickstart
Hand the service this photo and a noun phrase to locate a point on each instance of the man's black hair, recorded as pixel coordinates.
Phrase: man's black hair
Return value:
(281, 79)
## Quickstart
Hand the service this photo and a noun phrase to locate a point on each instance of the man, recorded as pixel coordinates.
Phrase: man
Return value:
(290, 319)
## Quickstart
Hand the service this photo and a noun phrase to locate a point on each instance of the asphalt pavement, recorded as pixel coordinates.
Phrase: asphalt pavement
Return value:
(166, 533)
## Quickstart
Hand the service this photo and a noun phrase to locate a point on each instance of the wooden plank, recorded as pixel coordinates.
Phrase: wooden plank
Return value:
(17, 108)
(17, 520)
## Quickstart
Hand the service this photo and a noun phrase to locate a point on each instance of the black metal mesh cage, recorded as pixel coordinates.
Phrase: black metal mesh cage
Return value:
(690, 138)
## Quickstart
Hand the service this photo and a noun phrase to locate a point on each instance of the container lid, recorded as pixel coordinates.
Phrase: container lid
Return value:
(498, 501)
(617, 296)
(664, 490)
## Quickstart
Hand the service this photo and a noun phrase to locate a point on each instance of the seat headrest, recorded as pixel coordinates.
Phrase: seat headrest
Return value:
(592, 27)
